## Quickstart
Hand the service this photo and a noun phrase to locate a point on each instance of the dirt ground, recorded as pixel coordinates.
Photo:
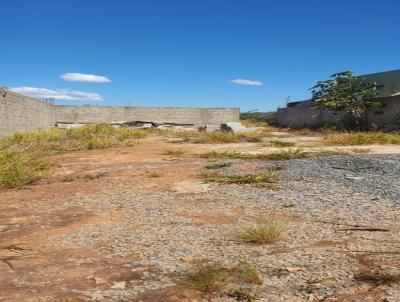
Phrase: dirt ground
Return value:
(35, 268)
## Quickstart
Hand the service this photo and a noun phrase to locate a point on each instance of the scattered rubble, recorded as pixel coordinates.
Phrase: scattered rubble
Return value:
(236, 127)
(210, 128)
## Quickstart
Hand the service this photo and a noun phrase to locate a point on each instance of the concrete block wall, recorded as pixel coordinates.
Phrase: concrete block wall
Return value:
(109, 114)
(20, 113)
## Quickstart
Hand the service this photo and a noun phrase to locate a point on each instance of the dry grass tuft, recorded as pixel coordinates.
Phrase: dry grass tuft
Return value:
(278, 143)
(67, 178)
(278, 155)
(212, 278)
(93, 176)
(23, 157)
(208, 278)
(268, 179)
(242, 295)
(262, 233)
(228, 154)
(247, 274)
(359, 150)
(218, 165)
(18, 169)
(221, 137)
(362, 138)
(174, 152)
(84, 138)
(288, 154)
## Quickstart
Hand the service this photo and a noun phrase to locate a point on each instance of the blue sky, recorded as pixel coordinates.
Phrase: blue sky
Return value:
(187, 52)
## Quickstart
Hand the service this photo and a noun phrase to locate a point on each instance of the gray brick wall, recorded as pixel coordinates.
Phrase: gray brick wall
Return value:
(19, 113)
(100, 114)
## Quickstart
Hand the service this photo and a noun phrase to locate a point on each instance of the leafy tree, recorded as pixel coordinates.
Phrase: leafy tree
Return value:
(349, 95)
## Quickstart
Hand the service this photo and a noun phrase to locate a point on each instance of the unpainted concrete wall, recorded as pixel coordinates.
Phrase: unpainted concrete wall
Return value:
(108, 114)
(20, 113)
(302, 115)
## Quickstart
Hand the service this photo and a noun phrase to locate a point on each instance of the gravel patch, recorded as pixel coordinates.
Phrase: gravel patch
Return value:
(328, 206)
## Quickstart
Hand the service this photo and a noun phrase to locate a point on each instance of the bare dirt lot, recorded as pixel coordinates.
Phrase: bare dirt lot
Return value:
(137, 223)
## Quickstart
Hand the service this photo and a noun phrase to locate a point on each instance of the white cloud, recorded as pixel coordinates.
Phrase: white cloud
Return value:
(59, 94)
(247, 82)
(82, 77)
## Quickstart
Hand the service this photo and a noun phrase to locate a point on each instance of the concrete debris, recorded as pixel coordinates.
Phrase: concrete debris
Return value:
(136, 124)
(69, 126)
(176, 128)
(210, 128)
(236, 127)
(156, 125)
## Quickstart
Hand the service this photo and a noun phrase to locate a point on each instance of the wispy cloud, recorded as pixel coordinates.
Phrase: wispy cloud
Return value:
(58, 94)
(247, 82)
(82, 77)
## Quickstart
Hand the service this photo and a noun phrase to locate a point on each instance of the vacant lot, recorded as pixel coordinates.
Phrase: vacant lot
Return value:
(272, 216)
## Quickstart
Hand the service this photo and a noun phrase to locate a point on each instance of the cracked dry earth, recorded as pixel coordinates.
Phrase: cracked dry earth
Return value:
(127, 235)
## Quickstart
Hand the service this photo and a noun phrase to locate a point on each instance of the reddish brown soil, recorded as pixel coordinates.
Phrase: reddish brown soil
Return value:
(31, 269)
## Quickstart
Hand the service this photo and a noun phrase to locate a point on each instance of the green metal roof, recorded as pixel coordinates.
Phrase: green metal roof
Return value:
(388, 82)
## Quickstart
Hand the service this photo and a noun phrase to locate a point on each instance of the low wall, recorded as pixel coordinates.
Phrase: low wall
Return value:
(303, 115)
(109, 114)
(20, 113)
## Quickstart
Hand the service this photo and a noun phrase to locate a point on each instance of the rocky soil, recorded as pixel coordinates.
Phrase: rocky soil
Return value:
(137, 243)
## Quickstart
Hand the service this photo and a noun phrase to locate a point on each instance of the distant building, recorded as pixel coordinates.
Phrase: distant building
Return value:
(387, 82)
(301, 114)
